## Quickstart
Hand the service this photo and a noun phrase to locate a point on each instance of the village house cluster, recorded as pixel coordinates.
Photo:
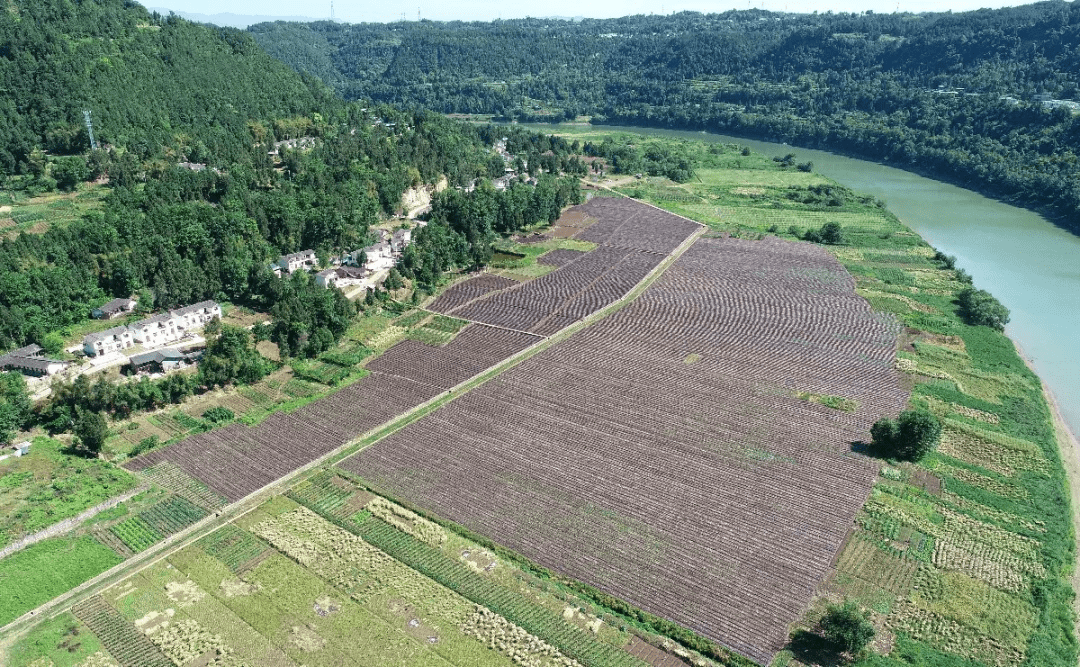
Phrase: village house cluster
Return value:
(153, 331)
(358, 267)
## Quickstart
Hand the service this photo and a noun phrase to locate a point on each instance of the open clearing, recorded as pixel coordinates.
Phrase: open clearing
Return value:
(705, 492)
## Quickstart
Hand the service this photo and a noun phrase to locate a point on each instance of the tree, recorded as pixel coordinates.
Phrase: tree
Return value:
(70, 171)
(92, 430)
(832, 233)
(53, 343)
(848, 627)
(979, 307)
(14, 405)
(911, 436)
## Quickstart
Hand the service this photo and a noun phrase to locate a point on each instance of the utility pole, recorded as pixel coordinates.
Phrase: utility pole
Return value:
(89, 128)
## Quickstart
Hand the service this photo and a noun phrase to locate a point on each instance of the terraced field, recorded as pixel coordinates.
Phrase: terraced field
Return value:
(663, 454)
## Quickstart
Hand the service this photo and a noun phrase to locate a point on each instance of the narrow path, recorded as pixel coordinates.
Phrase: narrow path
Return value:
(11, 632)
(71, 523)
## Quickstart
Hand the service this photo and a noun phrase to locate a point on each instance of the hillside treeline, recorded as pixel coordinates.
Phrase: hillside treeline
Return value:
(201, 195)
(952, 94)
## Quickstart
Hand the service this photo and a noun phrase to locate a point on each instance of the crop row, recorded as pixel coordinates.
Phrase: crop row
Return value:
(118, 636)
(662, 455)
(516, 608)
(157, 522)
(233, 546)
(469, 290)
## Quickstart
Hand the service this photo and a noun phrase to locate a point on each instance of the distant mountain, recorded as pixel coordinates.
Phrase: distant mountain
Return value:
(230, 20)
(154, 84)
(989, 99)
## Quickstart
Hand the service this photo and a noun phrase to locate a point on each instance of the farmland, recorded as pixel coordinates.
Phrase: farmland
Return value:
(697, 456)
(318, 577)
(427, 355)
(641, 474)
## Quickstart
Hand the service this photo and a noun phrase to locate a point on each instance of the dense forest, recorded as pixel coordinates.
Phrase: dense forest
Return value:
(975, 97)
(168, 95)
(201, 190)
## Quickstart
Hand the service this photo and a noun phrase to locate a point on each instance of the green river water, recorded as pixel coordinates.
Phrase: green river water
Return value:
(1030, 265)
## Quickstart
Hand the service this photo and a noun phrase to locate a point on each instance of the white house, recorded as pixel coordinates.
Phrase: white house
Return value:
(305, 259)
(110, 340)
(157, 330)
(341, 276)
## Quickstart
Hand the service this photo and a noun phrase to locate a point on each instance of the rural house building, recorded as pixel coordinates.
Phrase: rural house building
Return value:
(157, 330)
(110, 340)
(29, 361)
(160, 361)
(341, 276)
(305, 259)
(113, 309)
(400, 239)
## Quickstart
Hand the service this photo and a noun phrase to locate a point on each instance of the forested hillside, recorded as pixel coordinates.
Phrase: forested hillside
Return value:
(967, 96)
(153, 84)
(194, 206)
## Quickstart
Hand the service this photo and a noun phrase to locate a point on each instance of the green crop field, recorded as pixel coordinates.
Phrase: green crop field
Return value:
(48, 485)
(47, 569)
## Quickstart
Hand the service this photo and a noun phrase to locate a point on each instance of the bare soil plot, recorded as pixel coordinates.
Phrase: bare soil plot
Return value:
(236, 460)
(706, 493)
(468, 290)
(560, 257)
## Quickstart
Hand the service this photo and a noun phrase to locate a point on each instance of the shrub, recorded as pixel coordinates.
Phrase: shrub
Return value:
(911, 436)
(980, 308)
(847, 627)
(219, 414)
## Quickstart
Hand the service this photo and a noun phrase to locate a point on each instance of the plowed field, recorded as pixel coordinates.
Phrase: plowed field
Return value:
(662, 454)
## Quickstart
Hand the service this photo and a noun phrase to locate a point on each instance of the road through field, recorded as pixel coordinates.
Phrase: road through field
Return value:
(10, 633)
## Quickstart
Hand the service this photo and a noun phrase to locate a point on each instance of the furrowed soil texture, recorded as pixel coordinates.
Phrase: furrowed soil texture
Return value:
(505, 317)
(663, 455)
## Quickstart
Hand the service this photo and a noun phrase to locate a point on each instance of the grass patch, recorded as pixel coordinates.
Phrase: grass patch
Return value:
(44, 570)
(48, 485)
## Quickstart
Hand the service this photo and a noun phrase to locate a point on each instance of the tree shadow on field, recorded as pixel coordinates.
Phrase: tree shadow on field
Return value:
(864, 448)
(813, 649)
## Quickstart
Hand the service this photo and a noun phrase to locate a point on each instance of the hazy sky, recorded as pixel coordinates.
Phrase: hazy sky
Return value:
(485, 10)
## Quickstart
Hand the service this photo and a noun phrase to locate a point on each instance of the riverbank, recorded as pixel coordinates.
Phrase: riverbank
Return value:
(1069, 447)
(1022, 258)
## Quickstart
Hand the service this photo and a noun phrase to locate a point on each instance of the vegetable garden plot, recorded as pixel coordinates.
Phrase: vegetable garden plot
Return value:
(706, 493)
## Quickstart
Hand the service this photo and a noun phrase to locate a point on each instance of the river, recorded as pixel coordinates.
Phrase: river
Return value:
(1030, 265)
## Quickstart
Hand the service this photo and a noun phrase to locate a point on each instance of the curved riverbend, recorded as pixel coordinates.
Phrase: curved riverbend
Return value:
(1029, 264)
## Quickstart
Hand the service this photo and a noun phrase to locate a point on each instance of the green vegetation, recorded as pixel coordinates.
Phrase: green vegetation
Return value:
(14, 405)
(47, 569)
(979, 307)
(939, 92)
(63, 640)
(848, 627)
(909, 437)
(49, 485)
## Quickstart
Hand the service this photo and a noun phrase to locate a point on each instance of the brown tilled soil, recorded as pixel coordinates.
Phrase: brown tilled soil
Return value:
(704, 493)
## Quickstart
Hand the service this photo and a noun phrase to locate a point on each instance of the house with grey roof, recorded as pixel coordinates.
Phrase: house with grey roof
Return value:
(400, 239)
(113, 309)
(296, 261)
(29, 360)
(156, 330)
(110, 340)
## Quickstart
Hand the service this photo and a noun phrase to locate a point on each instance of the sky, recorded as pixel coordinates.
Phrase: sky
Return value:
(486, 10)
